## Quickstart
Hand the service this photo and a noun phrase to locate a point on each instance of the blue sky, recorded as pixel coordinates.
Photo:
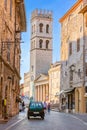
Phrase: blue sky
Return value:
(59, 8)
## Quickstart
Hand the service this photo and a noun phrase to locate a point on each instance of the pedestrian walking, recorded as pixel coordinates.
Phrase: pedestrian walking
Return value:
(23, 105)
(48, 107)
(45, 106)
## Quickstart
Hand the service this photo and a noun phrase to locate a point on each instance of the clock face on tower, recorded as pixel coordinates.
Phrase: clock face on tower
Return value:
(32, 78)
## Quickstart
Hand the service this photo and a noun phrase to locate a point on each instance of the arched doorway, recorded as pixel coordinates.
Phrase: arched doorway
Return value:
(5, 102)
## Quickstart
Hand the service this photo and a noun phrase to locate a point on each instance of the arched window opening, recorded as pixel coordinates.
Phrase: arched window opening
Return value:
(47, 28)
(41, 27)
(47, 44)
(40, 43)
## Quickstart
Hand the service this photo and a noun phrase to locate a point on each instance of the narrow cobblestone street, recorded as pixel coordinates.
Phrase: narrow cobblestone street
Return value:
(53, 121)
(43, 65)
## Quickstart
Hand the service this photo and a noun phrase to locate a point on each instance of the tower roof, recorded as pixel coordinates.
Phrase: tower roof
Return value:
(42, 13)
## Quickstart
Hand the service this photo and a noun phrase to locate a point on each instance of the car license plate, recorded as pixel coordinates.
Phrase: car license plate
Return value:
(36, 112)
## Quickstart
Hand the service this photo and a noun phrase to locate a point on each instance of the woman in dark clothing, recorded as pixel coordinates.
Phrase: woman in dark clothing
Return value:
(23, 105)
(48, 107)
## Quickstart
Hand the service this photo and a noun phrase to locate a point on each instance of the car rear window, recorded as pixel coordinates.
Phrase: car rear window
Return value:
(32, 105)
(36, 105)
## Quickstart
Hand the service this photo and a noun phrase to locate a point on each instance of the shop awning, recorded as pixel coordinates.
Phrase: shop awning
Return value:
(69, 90)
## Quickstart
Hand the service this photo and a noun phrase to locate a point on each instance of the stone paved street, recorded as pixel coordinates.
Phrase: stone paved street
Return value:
(82, 117)
(14, 120)
(52, 121)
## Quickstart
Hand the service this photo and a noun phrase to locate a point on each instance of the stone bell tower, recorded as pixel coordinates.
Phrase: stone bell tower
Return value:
(41, 42)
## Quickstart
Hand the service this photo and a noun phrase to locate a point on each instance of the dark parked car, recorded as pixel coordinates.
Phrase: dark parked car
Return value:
(36, 109)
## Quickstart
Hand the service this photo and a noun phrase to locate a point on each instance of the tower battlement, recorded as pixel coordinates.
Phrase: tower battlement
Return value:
(41, 13)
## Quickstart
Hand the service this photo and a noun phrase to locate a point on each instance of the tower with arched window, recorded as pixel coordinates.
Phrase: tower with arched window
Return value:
(41, 42)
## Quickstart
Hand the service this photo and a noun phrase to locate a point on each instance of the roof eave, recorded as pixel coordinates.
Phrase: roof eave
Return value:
(70, 11)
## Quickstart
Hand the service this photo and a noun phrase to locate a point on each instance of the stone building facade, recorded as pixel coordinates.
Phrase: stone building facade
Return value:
(22, 89)
(27, 84)
(41, 45)
(12, 23)
(74, 57)
(54, 82)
